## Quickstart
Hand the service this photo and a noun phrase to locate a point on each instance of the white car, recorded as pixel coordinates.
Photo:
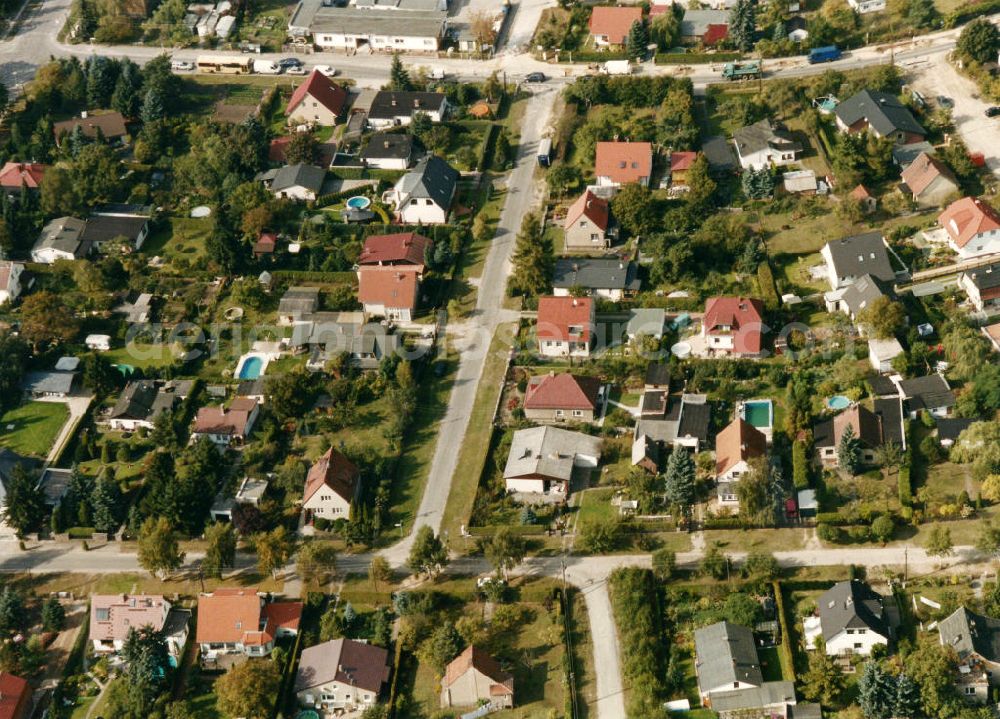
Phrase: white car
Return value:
(181, 66)
(295, 70)
(328, 70)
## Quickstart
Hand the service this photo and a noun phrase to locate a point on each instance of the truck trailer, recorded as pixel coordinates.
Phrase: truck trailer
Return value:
(749, 70)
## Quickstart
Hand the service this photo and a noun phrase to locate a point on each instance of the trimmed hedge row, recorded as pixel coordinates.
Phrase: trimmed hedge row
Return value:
(695, 58)
(970, 12)
(766, 286)
(522, 529)
(486, 149)
(800, 465)
(723, 523)
(310, 276)
(785, 648)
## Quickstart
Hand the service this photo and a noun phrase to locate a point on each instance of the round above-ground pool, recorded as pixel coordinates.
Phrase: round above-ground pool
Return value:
(358, 202)
(681, 350)
(201, 211)
(307, 714)
(838, 401)
(251, 367)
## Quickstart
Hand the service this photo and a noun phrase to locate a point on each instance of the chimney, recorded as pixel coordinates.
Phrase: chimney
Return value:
(394, 102)
(386, 144)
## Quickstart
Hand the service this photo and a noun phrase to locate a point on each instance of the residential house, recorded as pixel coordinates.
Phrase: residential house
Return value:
(401, 249)
(733, 326)
(317, 101)
(371, 25)
(142, 401)
(764, 144)
(107, 125)
(797, 29)
(565, 326)
(657, 376)
(266, 244)
(331, 487)
(903, 155)
(928, 181)
(15, 697)
(295, 182)
(104, 227)
(588, 224)
(771, 700)
(981, 285)
(424, 195)
(389, 151)
(610, 25)
(719, 153)
(48, 384)
(866, 426)
(60, 239)
(226, 426)
(10, 280)
(881, 353)
(645, 322)
(474, 678)
(975, 638)
(15, 176)
(680, 163)
(396, 108)
(881, 114)
(973, 227)
(619, 163)
(851, 258)
(735, 447)
(240, 622)
(327, 335)
(251, 491)
(926, 394)
(725, 659)
(685, 424)
(852, 619)
(297, 303)
(542, 459)
(863, 197)
(113, 615)
(707, 27)
(606, 277)
(341, 675)
(866, 6)
(562, 397)
(389, 292)
(949, 429)
(889, 412)
(855, 297)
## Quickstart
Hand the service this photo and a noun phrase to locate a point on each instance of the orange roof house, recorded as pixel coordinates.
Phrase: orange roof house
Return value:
(400, 248)
(239, 621)
(15, 696)
(680, 163)
(389, 292)
(14, 175)
(318, 100)
(266, 244)
(594, 208)
(331, 486)
(223, 425)
(618, 163)
(733, 325)
(474, 677)
(563, 391)
(739, 442)
(610, 25)
(564, 326)
(973, 227)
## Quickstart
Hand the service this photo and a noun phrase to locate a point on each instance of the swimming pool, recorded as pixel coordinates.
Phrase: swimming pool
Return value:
(757, 413)
(251, 366)
(838, 401)
(358, 202)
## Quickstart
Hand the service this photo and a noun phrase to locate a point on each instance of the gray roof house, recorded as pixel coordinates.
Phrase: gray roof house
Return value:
(398, 108)
(341, 672)
(696, 22)
(49, 384)
(61, 239)
(850, 258)
(972, 636)
(542, 459)
(389, 151)
(770, 699)
(142, 401)
(856, 296)
(297, 182)
(852, 618)
(424, 194)
(297, 302)
(726, 658)
(930, 393)
(764, 144)
(606, 277)
(881, 113)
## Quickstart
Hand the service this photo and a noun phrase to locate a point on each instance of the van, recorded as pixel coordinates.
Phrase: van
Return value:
(181, 66)
(266, 67)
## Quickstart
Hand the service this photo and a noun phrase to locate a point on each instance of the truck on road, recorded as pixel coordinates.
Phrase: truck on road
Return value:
(828, 53)
(616, 67)
(749, 70)
(266, 67)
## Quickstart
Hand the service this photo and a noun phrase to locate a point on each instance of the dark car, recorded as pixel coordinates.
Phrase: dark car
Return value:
(945, 101)
(993, 111)
(534, 77)
(287, 62)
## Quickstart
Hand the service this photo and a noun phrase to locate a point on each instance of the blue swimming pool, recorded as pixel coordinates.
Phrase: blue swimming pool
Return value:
(251, 367)
(757, 413)
(358, 202)
(838, 401)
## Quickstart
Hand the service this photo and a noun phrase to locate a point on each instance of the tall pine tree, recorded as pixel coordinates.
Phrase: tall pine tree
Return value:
(849, 451)
(679, 478)
(876, 692)
(399, 78)
(742, 24)
(533, 259)
(907, 704)
(637, 40)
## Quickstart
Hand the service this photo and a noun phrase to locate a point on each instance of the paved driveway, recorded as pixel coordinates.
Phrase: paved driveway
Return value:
(77, 407)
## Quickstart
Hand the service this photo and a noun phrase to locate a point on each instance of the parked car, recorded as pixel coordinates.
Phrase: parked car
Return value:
(328, 70)
(289, 62)
(945, 101)
(295, 70)
(182, 66)
(993, 111)
(534, 77)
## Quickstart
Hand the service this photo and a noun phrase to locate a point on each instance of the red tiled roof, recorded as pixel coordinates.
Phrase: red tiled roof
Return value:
(557, 314)
(614, 22)
(624, 161)
(334, 471)
(866, 425)
(659, 9)
(283, 615)
(6, 271)
(475, 658)
(682, 160)
(218, 420)
(122, 612)
(15, 174)
(398, 248)
(920, 173)
(740, 440)
(323, 90)
(967, 218)
(388, 286)
(227, 615)
(15, 695)
(561, 391)
(715, 33)
(596, 209)
(860, 193)
(743, 315)
(266, 243)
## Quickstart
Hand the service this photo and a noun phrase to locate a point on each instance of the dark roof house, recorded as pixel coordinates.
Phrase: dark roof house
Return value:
(851, 604)
(595, 274)
(971, 635)
(880, 112)
(726, 656)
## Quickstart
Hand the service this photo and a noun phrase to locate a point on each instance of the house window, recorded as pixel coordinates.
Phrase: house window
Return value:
(970, 691)
(559, 413)
(857, 645)
(577, 412)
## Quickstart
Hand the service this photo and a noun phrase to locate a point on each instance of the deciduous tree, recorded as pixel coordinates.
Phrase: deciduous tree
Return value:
(505, 550)
(159, 552)
(427, 554)
(938, 542)
(249, 689)
(220, 552)
(273, 550)
(24, 506)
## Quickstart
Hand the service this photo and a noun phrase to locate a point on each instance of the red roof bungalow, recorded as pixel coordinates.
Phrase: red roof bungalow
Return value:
(234, 621)
(389, 292)
(15, 697)
(14, 175)
(610, 25)
(680, 163)
(733, 326)
(618, 163)
(266, 244)
(400, 248)
(559, 397)
(227, 426)
(565, 326)
(973, 227)
(318, 101)
(715, 33)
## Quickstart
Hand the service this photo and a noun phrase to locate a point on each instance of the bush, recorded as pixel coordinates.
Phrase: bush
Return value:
(694, 58)
(883, 528)
(800, 465)
(664, 563)
(644, 652)
(905, 488)
(828, 533)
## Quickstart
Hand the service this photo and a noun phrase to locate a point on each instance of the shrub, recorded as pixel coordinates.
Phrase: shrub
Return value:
(800, 465)
(644, 653)
(828, 532)
(883, 528)
(905, 489)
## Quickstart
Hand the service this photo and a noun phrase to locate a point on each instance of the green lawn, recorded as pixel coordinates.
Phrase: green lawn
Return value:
(32, 428)
(180, 238)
